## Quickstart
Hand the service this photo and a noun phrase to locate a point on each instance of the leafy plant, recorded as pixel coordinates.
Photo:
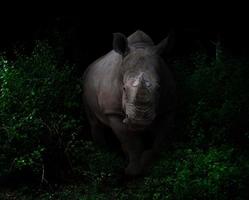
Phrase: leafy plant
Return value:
(39, 109)
(214, 98)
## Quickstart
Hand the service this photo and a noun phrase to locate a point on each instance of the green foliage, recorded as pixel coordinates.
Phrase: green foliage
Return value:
(97, 160)
(215, 99)
(40, 119)
(195, 174)
(38, 102)
(183, 173)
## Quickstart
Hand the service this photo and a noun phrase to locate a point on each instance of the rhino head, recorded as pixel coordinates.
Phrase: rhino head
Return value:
(140, 77)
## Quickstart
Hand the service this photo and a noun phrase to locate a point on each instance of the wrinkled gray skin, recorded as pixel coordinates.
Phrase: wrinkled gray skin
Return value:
(132, 91)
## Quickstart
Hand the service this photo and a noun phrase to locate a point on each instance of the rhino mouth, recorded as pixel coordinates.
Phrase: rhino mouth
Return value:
(141, 122)
(135, 126)
(139, 116)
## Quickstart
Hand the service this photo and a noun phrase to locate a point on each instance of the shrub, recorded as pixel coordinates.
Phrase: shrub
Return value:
(39, 110)
(216, 173)
(215, 97)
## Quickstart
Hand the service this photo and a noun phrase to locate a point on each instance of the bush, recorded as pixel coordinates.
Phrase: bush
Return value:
(215, 99)
(39, 110)
(217, 173)
(40, 120)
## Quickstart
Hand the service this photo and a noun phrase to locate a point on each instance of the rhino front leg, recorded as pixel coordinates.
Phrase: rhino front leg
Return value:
(98, 134)
(131, 144)
(96, 127)
(133, 147)
(164, 129)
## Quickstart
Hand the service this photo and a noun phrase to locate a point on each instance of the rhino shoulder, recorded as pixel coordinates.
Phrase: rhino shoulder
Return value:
(110, 98)
(101, 83)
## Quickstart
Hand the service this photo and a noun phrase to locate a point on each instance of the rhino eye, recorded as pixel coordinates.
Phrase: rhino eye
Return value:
(125, 93)
(147, 83)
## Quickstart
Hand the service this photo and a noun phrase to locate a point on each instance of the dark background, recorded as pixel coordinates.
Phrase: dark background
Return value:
(86, 33)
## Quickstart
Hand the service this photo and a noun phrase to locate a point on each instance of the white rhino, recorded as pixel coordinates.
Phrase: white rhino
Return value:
(132, 91)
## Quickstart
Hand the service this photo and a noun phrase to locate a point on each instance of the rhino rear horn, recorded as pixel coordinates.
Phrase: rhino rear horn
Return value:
(120, 44)
(165, 45)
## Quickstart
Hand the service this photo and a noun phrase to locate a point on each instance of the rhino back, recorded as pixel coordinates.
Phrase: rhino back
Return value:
(101, 86)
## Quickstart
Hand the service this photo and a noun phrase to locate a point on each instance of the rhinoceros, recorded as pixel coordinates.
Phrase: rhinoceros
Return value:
(132, 91)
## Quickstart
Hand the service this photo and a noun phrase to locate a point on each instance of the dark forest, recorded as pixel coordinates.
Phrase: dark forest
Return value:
(46, 149)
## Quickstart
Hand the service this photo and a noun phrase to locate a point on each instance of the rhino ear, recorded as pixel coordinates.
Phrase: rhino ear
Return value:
(165, 45)
(120, 44)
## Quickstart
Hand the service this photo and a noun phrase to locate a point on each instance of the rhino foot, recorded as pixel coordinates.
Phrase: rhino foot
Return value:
(147, 159)
(133, 169)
